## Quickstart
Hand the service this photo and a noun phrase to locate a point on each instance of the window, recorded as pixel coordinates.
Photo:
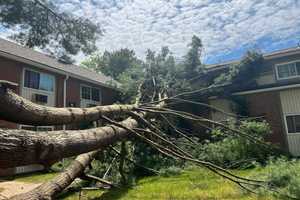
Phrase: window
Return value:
(39, 81)
(32, 79)
(39, 98)
(95, 94)
(90, 93)
(37, 128)
(85, 93)
(293, 123)
(289, 70)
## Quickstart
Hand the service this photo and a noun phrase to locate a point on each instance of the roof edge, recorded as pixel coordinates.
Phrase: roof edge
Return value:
(52, 69)
(267, 56)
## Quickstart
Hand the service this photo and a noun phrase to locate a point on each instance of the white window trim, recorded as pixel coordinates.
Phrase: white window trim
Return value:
(38, 90)
(285, 123)
(100, 93)
(285, 63)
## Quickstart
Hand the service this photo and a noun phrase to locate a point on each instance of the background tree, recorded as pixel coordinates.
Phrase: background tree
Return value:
(123, 66)
(112, 63)
(192, 62)
(41, 24)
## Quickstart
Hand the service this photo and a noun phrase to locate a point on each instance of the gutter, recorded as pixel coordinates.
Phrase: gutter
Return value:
(267, 89)
(65, 90)
(65, 95)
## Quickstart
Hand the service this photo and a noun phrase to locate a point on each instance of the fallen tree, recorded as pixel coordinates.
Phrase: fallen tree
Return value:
(21, 147)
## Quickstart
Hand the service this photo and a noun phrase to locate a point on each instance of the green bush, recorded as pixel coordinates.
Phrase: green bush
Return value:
(149, 157)
(232, 151)
(170, 171)
(283, 175)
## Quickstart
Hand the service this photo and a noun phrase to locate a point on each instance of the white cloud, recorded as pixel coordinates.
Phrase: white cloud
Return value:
(223, 25)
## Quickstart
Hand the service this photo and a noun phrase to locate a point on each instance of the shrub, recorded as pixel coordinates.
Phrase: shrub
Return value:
(234, 151)
(170, 171)
(283, 175)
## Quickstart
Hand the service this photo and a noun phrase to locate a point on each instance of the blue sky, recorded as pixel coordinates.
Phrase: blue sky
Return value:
(227, 27)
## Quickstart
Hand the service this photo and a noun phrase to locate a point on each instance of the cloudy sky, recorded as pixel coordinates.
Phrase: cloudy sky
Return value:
(227, 27)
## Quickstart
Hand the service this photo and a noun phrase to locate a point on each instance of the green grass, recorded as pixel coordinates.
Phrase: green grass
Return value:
(37, 177)
(194, 184)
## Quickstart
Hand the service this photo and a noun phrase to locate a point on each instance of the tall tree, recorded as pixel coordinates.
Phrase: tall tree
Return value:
(112, 63)
(192, 62)
(123, 66)
(41, 24)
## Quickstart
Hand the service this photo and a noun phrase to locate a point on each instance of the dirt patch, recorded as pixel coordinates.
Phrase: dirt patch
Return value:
(11, 188)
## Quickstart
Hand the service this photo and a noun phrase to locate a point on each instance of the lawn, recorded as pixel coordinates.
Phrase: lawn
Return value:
(194, 184)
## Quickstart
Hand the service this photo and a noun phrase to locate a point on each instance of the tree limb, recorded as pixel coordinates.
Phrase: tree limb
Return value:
(51, 188)
(33, 114)
(21, 147)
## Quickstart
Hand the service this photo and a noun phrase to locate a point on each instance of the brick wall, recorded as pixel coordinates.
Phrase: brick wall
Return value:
(268, 104)
(10, 71)
(73, 92)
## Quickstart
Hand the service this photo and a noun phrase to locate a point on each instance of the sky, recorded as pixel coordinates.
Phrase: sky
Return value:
(227, 28)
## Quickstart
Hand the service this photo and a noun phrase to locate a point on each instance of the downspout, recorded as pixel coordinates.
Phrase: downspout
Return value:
(65, 95)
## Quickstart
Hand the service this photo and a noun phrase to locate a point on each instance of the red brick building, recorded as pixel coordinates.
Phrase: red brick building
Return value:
(274, 95)
(45, 80)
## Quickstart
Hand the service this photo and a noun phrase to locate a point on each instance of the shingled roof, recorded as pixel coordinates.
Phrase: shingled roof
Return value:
(29, 56)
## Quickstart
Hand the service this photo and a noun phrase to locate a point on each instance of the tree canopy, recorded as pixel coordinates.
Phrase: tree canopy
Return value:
(158, 73)
(41, 24)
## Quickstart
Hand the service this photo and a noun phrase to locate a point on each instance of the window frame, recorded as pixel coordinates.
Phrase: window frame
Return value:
(286, 63)
(39, 90)
(81, 92)
(36, 127)
(91, 96)
(286, 126)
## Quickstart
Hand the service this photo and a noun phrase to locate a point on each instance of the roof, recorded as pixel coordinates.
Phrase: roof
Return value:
(267, 56)
(29, 56)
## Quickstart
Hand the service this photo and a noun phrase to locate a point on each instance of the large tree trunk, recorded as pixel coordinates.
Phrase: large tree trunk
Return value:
(17, 109)
(49, 189)
(21, 147)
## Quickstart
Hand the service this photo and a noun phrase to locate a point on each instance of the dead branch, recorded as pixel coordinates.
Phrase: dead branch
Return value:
(95, 178)
(241, 181)
(196, 118)
(122, 157)
(135, 163)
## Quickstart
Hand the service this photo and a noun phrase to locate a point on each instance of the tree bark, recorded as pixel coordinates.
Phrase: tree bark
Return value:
(17, 109)
(50, 189)
(21, 147)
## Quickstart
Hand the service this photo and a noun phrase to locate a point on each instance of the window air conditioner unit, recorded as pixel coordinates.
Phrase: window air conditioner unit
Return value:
(40, 99)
